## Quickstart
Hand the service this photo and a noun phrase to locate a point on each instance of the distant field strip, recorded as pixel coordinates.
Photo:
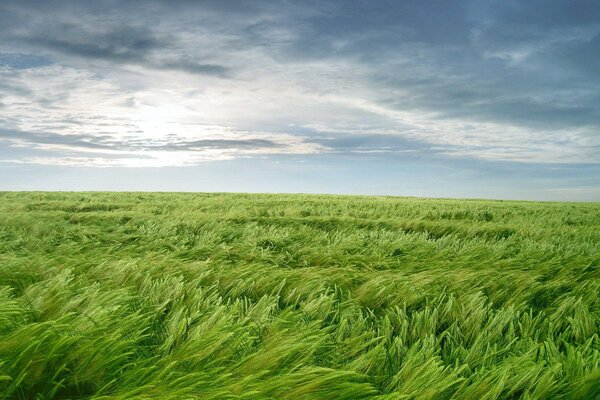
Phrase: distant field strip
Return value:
(243, 296)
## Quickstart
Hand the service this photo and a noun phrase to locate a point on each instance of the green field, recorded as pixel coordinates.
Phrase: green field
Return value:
(234, 296)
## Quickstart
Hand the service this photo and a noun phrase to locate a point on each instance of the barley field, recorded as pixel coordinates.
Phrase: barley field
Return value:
(247, 296)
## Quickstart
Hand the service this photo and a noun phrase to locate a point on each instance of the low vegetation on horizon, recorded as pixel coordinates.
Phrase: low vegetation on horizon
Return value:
(245, 296)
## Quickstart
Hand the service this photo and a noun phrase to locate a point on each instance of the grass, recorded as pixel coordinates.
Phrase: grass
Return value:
(234, 296)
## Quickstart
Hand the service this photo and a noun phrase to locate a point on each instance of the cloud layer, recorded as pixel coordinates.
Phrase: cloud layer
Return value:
(156, 83)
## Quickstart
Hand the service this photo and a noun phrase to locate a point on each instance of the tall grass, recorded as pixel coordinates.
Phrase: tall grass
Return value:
(233, 296)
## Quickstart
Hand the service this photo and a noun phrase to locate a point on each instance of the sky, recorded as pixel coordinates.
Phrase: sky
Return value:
(466, 98)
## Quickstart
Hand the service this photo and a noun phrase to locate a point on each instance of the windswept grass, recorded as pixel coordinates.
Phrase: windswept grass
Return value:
(223, 296)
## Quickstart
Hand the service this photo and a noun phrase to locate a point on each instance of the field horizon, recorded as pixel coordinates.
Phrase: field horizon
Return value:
(314, 194)
(186, 295)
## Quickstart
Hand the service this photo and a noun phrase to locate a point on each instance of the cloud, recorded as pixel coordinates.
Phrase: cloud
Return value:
(97, 38)
(193, 67)
(23, 61)
(122, 44)
(107, 150)
(45, 138)
(495, 80)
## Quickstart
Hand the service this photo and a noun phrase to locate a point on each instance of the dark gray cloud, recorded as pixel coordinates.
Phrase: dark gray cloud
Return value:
(121, 44)
(216, 144)
(532, 64)
(108, 142)
(539, 14)
(96, 35)
(374, 143)
(45, 138)
(187, 65)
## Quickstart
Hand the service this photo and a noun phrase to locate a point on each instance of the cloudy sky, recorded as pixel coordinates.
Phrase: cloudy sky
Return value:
(479, 98)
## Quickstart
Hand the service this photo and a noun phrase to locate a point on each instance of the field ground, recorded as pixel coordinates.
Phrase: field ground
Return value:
(233, 296)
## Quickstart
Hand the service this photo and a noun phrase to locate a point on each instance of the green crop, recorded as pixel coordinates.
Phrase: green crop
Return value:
(240, 296)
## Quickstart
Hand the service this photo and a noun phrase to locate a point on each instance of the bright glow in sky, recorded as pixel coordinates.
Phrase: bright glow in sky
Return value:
(430, 98)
